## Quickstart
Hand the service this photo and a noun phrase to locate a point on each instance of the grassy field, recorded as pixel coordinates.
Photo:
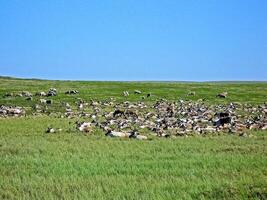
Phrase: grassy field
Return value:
(70, 165)
(250, 92)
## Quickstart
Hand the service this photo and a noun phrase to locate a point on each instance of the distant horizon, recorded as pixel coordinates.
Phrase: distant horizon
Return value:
(186, 81)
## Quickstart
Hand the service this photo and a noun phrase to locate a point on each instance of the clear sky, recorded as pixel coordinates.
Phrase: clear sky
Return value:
(183, 40)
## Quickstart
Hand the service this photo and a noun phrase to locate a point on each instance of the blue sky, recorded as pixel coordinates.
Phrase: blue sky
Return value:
(183, 40)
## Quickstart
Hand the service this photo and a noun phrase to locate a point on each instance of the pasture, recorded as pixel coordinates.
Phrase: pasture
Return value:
(71, 165)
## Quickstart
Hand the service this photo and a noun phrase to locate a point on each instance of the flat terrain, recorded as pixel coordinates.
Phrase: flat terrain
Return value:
(243, 92)
(71, 165)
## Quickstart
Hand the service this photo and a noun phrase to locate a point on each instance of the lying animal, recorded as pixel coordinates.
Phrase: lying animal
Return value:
(222, 95)
(136, 135)
(53, 130)
(137, 92)
(117, 134)
(42, 94)
(72, 92)
(84, 126)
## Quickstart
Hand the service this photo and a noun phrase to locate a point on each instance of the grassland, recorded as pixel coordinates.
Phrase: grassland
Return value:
(246, 92)
(69, 165)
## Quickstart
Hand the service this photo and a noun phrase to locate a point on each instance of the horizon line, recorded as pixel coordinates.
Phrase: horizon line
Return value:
(151, 80)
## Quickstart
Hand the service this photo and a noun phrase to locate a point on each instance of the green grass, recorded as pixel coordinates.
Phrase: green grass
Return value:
(70, 165)
(254, 93)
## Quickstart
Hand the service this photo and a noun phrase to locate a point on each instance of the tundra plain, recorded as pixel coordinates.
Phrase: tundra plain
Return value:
(73, 165)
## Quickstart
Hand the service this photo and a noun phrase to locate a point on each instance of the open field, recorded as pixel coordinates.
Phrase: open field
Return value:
(247, 92)
(71, 165)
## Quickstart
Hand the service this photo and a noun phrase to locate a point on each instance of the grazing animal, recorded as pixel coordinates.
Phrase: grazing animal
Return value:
(191, 94)
(26, 94)
(222, 95)
(131, 113)
(50, 130)
(118, 113)
(80, 106)
(53, 130)
(52, 92)
(28, 99)
(43, 101)
(125, 93)
(222, 114)
(49, 101)
(222, 121)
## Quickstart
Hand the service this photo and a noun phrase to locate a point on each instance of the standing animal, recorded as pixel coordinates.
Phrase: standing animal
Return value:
(125, 93)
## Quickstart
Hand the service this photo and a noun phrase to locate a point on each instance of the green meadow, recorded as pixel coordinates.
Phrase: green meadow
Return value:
(71, 165)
